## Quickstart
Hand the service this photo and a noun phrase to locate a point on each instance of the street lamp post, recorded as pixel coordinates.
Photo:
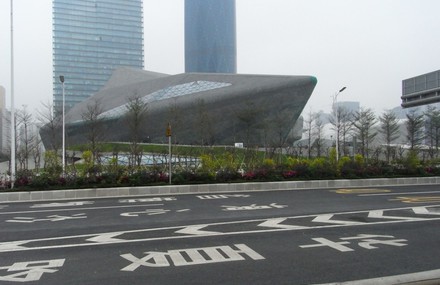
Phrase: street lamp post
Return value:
(12, 101)
(335, 100)
(64, 129)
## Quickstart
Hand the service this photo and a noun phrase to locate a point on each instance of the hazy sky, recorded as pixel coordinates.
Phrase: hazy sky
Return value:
(370, 46)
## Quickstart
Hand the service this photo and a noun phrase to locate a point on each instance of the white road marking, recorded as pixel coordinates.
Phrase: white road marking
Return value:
(424, 211)
(64, 204)
(196, 230)
(366, 241)
(80, 209)
(275, 223)
(53, 218)
(379, 214)
(148, 212)
(253, 207)
(30, 270)
(191, 256)
(188, 231)
(143, 200)
(183, 210)
(222, 196)
(326, 219)
(106, 238)
(325, 242)
(13, 246)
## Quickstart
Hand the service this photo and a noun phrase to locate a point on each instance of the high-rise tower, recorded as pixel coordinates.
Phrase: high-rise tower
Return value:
(90, 39)
(210, 36)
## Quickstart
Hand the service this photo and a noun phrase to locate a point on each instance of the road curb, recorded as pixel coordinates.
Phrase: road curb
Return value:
(21, 196)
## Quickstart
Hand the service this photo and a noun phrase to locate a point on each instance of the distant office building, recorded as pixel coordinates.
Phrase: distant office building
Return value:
(421, 90)
(210, 36)
(349, 106)
(91, 38)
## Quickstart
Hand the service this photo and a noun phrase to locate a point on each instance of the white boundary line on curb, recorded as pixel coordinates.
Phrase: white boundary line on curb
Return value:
(427, 277)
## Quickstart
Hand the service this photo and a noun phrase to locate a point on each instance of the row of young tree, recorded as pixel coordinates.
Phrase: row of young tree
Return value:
(381, 137)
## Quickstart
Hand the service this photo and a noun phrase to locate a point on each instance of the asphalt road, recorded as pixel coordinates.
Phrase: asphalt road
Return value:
(282, 237)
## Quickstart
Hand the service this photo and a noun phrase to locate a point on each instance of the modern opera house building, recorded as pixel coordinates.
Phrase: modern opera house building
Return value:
(202, 108)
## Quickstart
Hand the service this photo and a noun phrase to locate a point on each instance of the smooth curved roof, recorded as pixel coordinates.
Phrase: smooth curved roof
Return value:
(235, 105)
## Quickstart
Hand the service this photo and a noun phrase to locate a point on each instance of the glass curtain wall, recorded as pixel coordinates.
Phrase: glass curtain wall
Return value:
(90, 39)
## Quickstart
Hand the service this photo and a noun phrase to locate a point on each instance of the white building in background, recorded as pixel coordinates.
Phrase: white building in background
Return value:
(350, 106)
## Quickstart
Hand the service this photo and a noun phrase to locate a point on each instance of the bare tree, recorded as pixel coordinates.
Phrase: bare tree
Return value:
(205, 123)
(363, 123)
(37, 152)
(136, 118)
(433, 130)
(309, 131)
(278, 126)
(341, 120)
(175, 118)
(319, 134)
(25, 138)
(389, 128)
(247, 115)
(414, 127)
(346, 126)
(94, 126)
(51, 124)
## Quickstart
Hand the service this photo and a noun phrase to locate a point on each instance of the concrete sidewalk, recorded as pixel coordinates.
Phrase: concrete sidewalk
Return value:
(209, 188)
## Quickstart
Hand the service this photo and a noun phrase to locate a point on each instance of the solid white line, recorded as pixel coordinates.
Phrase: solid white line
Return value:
(402, 193)
(432, 275)
(79, 209)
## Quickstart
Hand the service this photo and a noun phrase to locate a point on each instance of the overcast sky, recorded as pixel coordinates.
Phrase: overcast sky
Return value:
(370, 46)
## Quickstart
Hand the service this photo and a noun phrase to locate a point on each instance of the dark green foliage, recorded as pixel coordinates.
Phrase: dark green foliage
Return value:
(219, 167)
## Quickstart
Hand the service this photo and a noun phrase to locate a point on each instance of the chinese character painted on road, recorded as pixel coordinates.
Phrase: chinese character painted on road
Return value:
(52, 218)
(368, 241)
(64, 204)
(30, 271)
(363, 240)
(143, 200)
(192, 256)
(151, 212)
(253, 207)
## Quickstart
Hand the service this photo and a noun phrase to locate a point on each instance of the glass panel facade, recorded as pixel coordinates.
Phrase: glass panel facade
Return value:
(210, 36)
(421, 83)
(167, 93)
(90, 39)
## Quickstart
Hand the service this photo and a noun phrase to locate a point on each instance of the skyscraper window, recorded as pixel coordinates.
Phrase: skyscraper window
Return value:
(210, 36)
(90, 39)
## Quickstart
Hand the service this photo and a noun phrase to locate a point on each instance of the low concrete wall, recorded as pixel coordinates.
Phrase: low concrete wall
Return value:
(209, 188)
